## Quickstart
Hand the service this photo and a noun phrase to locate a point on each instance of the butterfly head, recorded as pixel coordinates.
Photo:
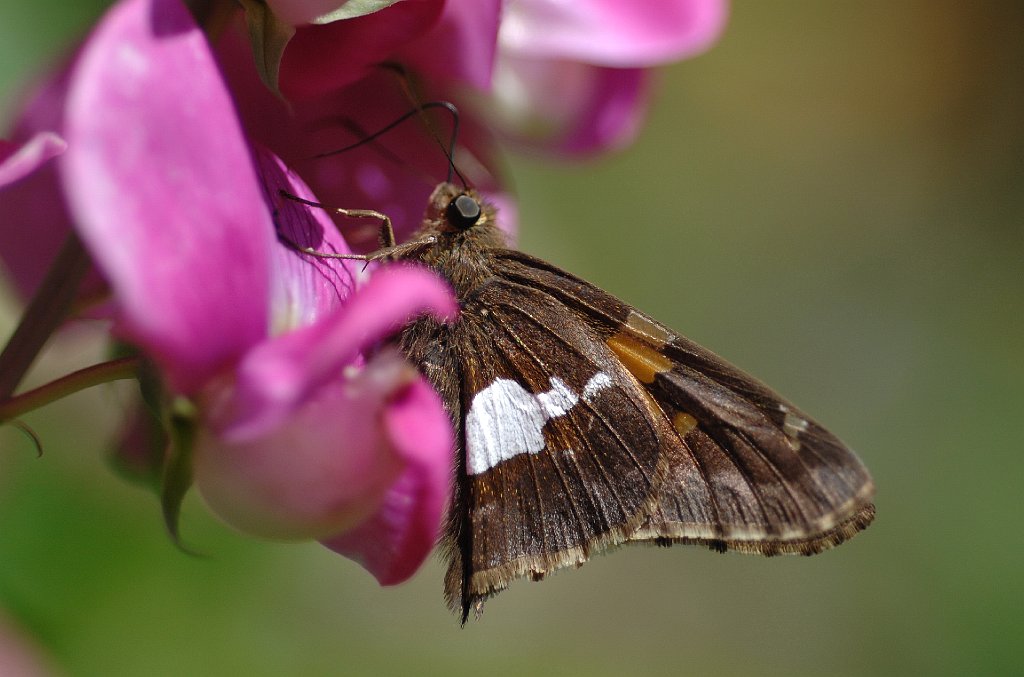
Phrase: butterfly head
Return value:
(455, 209)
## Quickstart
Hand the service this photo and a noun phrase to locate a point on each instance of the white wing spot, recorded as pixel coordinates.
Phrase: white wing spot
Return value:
(596, 384)
(504, 420)
(557, 401)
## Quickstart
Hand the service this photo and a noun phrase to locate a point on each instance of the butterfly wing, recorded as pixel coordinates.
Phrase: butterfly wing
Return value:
(563, 452)
(748, 471)
(584, 425)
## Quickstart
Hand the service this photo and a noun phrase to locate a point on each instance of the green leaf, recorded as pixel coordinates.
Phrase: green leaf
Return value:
(268, 36)
(352, 9)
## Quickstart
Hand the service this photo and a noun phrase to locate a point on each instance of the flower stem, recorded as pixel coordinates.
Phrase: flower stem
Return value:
(114, 370)
(44, 314)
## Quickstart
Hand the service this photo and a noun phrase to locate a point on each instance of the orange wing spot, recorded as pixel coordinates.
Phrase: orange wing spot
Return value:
(641, 361)
(683, 423)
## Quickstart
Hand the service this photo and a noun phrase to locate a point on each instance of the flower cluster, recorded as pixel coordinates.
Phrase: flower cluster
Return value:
(160, 145)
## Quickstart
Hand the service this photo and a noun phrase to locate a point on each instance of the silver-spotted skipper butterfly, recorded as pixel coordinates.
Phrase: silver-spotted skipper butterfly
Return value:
(583, 424)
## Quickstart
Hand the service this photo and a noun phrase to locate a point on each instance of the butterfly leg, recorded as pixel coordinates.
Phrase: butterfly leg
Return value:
(387, 233)
(323, 255)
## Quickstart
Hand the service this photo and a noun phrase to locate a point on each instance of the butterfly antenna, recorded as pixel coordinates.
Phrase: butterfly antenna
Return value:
(405, 81)
(448, 150)
(426, 178)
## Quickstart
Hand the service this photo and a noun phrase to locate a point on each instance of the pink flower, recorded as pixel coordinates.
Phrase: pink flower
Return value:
(35, 224)
(296, 434)
(338, 93)
(24, 165)
(300, 427)
(572, 77)
(575, 76)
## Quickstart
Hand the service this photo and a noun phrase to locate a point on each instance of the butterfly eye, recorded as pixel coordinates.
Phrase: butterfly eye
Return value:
(463, 212)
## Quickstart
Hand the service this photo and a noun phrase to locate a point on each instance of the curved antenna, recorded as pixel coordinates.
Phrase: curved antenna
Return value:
(405, 81)
(448, 151)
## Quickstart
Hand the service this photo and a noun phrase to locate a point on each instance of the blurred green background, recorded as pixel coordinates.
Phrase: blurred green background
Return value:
(832, 199)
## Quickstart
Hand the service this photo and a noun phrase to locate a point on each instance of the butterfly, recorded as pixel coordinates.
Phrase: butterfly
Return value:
(582, 424)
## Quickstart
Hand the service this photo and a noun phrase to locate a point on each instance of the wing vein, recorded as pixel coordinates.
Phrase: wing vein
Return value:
(604, 474)
(611, 428)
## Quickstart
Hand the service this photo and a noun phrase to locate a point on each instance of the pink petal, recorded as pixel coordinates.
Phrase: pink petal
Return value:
(279, 375)
(323, 59)
(462, 45)
(161, 184)
(33, 210)
(17, 162)
(612, 32)
(570, 107)
(324, 470)
(35, 224)
(304, 288)
(396, 540)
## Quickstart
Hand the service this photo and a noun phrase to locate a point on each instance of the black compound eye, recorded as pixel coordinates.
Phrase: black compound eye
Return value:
(463, 212)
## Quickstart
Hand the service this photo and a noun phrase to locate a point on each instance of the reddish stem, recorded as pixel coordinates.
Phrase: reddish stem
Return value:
(44, 314)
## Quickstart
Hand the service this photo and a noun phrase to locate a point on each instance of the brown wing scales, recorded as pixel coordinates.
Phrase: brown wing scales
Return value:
(753, 473)
(584, 425)
(593, 482)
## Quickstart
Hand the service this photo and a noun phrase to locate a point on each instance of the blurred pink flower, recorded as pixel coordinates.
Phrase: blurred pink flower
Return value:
(297, 435)
(20, 656)
(569, 77)
(574, 77)
(34, 228)
(18, 161)
(338, 93)
(24, 166)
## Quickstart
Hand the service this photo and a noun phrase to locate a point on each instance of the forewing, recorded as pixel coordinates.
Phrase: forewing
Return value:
(748, 470)
(562, 450)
